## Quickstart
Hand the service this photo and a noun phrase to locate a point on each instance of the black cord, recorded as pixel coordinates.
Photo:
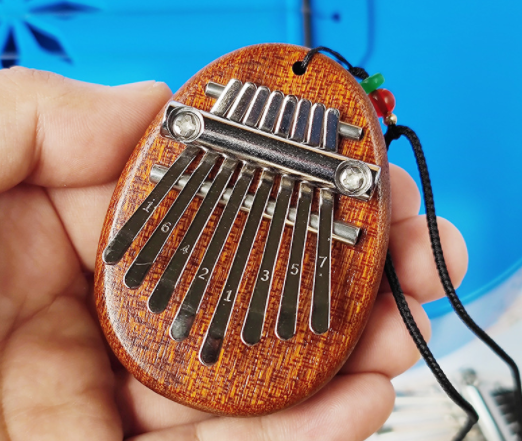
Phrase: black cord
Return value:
(358, 72)
(395, 132)
(423, 348)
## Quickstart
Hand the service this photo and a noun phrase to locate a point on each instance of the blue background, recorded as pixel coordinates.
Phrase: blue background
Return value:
(452, 66)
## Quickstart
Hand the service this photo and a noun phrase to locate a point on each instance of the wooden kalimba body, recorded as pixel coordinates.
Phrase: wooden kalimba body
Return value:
(245, 241)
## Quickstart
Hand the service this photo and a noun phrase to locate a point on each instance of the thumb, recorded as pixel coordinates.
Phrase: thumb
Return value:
(59, 132)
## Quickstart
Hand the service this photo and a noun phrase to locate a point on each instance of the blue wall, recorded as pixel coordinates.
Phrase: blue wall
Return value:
(453, 67)
(117, 41)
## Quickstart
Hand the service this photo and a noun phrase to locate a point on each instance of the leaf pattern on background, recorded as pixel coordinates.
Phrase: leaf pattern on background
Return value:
(47, 42)
(63, 9)
(10, 54)
(10, 51)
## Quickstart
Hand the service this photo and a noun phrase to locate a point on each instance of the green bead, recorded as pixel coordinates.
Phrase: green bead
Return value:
(372, 83)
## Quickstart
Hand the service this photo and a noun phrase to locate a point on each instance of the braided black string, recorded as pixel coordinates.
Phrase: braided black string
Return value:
(423, 348)
(395, 132)
(358, 72)
(395, 286)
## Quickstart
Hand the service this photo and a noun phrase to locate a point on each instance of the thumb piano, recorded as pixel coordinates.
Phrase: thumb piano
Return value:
(245, 241)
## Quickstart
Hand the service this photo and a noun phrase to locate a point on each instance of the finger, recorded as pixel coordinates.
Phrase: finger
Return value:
(34, 247)
(56, 380)
(386, 346)
(82, 211)
(405, 196)
(350, 408)
(410, 248)
(143, 410)
(59, 132)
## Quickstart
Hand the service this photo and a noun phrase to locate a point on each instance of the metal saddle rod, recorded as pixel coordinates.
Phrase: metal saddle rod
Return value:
(342, 231)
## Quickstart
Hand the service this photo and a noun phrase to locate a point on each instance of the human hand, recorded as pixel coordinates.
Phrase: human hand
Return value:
(62, 146)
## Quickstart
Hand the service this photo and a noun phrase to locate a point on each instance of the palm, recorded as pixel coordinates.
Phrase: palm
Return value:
(55, 367)
(59, 381)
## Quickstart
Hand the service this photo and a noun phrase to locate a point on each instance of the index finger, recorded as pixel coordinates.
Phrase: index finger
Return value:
(58, 132)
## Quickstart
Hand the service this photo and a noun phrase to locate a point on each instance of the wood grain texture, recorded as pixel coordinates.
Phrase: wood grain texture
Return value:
(273, 374)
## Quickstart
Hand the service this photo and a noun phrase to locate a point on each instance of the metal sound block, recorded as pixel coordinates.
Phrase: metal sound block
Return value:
(245, 242)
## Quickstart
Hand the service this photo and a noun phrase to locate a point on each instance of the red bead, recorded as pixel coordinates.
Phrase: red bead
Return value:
(383, 101)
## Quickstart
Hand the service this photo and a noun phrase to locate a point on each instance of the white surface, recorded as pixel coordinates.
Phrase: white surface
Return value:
(507, 332)
(423, 411)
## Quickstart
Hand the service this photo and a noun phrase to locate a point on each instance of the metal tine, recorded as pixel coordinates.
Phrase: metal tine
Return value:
(226, 98)
(320, 310)
(346, 130)
(211, 348)
(164, 289)
(189, 307)
(255, 318)
(148, 254)
(271, 112)
(300, 123)
(284, 122)
(315, 125)
(242, 102)
(331, 130)
(126, 235)
(287, 317)
(255, 110)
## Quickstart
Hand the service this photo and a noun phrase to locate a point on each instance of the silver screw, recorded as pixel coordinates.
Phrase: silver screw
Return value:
(354, 178)
(185, 126)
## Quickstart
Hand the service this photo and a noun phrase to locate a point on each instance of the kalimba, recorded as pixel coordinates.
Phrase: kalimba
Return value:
(246, 238)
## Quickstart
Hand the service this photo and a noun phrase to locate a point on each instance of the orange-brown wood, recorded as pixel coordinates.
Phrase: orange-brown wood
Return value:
(273, 374)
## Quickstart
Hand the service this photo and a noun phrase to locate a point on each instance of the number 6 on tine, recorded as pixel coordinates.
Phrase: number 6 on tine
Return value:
(245, 241)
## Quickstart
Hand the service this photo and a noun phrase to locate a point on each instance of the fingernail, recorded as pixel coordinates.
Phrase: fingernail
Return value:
(146, 87)
(141, 85)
